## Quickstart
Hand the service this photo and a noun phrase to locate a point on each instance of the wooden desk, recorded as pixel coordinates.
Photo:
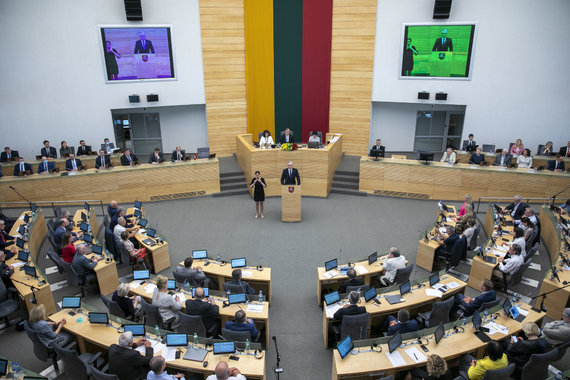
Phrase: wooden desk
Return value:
(537, 161)
(412, 179)
(258, 279)
(425, 257)
(37, 230)
(104, 336)
(316, 166)
(549, 232)
(363, 364)
(415, 300)
(87, 161)
(145, 182)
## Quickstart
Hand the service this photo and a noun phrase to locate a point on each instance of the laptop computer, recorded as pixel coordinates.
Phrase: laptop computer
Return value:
(136, 330)
(170, 284)
(23, 256)
(477, 325)
(394, 299)
(151, 232)
(86, 206)
(206, 292)
(137, 213)
(175, 340)
(195, 354)
(97, 249)
(200, 254)
(30, 271)
(71, 302)
(34, 207)
(373, 258)
(491, 259)
(87, 238)
(313, 144)
(222, 348)
(331, 264)
(345, 346)
(20, 243)
(141, 275)
(22, 230)
(142, 223)
(138, 205)
(331, 298)
(84, 227)
(371, 294)
(237, 298)
(434, 283)
(26, 218)
(239, 263)
(438, 333)
(99, 318)
(394, 342)
(512, 311)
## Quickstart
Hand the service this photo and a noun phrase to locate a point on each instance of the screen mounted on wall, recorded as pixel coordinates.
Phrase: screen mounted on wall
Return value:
(137, 53)
(437, 51)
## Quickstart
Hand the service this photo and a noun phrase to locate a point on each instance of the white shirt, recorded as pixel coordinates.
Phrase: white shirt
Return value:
(117, 232)
(511, 265)
(238, 377)
(468, 233)
(263, 140)
(524, 162)
(449, 157)
(392, 265)
(315, 138)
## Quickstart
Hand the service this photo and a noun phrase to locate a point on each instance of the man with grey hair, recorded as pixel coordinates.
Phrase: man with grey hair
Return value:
(517, 208)
(504, 159)
(158, 370)
(402, 324)
(290, 174)
(351, 308)
(125, 361)
(394, 261)
(224, 372)
(120, 227)
(558, 332)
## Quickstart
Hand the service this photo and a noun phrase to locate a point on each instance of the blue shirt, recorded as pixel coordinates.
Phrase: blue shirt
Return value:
(162, 376)
(234, 326)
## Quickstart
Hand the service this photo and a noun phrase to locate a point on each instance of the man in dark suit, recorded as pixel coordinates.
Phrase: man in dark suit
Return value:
(112, 208)
(556, 165)
(48, 151)
(73, 164)
(177, 155)
(236, 275)
(471, 305)
(83, 150)
(242, 323)
(447, 240)
(378, 147)
(565, 150)
(22, 168)
(45, 166)
(156, 157)
(443, 43)
(402, 324)
(125, 361)
(286, 137)
(207, 309)
(350, 309)
(129, 159)
(103, 160)
(107, 146)
(290, 174)
(84, 266)
(504, 159)
(469, 145)
(9, 155)
(352, 281)
(517, 208)
(477, 158)
(143, 45)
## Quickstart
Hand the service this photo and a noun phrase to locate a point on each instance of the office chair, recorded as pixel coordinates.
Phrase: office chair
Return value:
(114, 308)
(234, 288)
(438, 314)
(77, 367)
(517, 276)
(192, 324)
(403, 274)
(355, 288)
(101, 375)
(153, 317)
(203, 152)
(319, 133)
(106, 221)
(510, 146)
(537, 366)
(237, 336)
(110, 243)
(180, 278)
(484, 306)
(494, 374)
(73, 279)
(355, 326)
(539, 149)
(56, 259)
(473, 242)
(7, 306)
(41, 350)
(57, 212)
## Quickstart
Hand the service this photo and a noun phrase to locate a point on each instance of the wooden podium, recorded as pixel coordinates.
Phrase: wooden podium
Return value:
(291, 203)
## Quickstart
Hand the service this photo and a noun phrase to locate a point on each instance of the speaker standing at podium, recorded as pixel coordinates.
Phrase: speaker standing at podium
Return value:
(444, 43)
(143, 46)
(288, 176)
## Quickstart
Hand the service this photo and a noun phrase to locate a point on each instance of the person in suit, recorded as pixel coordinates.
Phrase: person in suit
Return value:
(290, 174)
(22, 168)
(48, 151)
(156, 157)
(195, 275)
(242, 323)
(558, 332)
(45, 166)
(83, 150)
(547, 150)
(103, 160)
(504, 159)
(517, 208)
(60, 231)
(48, 332)
(351, 308)
(444, 43)
(565, 150)
(129, 159)
(112, 208)
(8, 155)
(556, 165)
(352, 280)
(236, 275)
(447, 240)
(5, 239)
(143, 45)
(471, 305)
(379, 148)
(178, 155)
(469, 145)
(125, 361)
(107, 146)
(402, 324)
(286, 137)
(84, 266)
(73, 164)
(205, 308)
(477, 158)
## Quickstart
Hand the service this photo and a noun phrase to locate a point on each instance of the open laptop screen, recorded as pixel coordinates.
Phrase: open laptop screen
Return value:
(330, 265)
(200, 254)
(71, 302)
(344, 347)
(332, 298)
(238, 263)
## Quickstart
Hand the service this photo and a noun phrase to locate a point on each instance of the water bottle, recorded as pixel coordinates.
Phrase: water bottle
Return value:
(195, 339)
(464, 321)
(246, 345)
(228, 293)
(157, 331)
(17, 371)
(558, 376)
(260, 296)
(485, 315)
(219, 258)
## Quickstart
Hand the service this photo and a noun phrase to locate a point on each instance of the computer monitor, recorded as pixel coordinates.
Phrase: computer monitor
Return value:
(394, 342)
(151, 232)
(476, 321)
(3, 367)
(99, 318)
(434, 279)
(206, 292)
(331, 264)
(23, 256)
(26, 218)
(426, 156)
(22, 230)
(143, 223)
(88, 238)
(71, 302)
(507, 307)
(405, 288)
(138, 205)
(84, 227)
(372, 258)
(438, 333)
(222, 348)
(199, 254)
(33, 207)
(97, 249)
(137, 330)
(19, 243)
(239, 263)
(30, 271)
(83, 217)
(137, 213)
(497, 208)
(313, 144)
(331, 298)
(86, 206)
(370, 294)
(237, 298)
(345, 346)
(170, 284)
(173, 340)
(141, 274)
(376, 153)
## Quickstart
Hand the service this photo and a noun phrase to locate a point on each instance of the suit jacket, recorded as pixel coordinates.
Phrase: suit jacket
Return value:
(27, 167)
(290, 180)
(173, 156)
(99, 163)
(210, 313)
(13, 155)
(69, 164)
(83, 150)
(551, 165)
(355, 282)
(42, 167)
(508, 159)
(410, 326)
(520, 210)
(234, 326)
(127, 363)
(563, 150)
(153, 158)
(381, 149)
(474, 305)
(282, 138)
(248, 289)
(82, 264)
(440, 46)
(148, 48)
(350, 310)
(51, 152)
(476, 160)
(469, 148)
(5, 240)
(125, 161)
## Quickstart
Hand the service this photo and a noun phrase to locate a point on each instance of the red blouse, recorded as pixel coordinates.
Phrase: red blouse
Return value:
(67, 253)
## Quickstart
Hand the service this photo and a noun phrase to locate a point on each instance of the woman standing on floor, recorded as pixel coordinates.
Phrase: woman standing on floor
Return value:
(258, 184)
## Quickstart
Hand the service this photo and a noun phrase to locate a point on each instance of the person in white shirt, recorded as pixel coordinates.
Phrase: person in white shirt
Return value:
(266, 140)
(449, 156)
(224, 372)
(510, 266)
(470, 230)
(315, 137)
(558, 332)
(518, 235)
(525, 159)
(394, 262)
(158, 370)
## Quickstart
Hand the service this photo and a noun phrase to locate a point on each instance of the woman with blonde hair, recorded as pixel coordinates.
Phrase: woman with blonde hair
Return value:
(519, 352)
(129, 305)
(517, 147)
(467, 201)
(48, 332)
(168, 306)
(436, 369)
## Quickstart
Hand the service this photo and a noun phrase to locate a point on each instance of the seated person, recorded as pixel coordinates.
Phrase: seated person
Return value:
(266, 140)
(158, 370)
(351, 308)
(565, 150)
(494, 358)
(223, 372)
(112, 208)
(5, 239)
(8, 155)
(520, 352)
(558, 332)
(315, 137)
(84, 266)
(107, 146)
(168, 305)
(82, 149)
(241, 323)
(48, 332)
(156, 157)
(547, 150)
(205, 308)
(64, 151)
(236, 275)
(135, 254)
(524, 160)
(22, 168)
(402, 324)
(45, 166)
(129, 305)
(48, 151)
(122, 226)
(125, 361)
(504, 159)
(517, 147)
(477, 158)
(393, 262)
(471, 305)
(286, 137)
(516, 209)
(194, 275)
(60, 232)
(518, 234)
(378, 147)
(121, 212)
(178, 155)
(352, 280)
(469, 145)
(73, 164)
(447, 240)
(449, 156)
(68, 248)
(436, 369)
(556, 165)
(103, 161)
(129, 159)
(6, 271)
(509, 266)
(469, 228)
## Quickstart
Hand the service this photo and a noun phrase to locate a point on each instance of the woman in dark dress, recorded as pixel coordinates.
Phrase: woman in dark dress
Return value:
(408, 61)
(111, 56)
(258, 193)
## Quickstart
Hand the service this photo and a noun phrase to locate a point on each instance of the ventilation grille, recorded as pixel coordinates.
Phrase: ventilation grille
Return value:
(401, 194)
(190, 194)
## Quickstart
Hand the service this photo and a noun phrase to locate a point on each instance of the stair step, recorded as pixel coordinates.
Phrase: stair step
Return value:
(348, 192)
(350, 174)
(233, 186)
(230, 193)
(231, 174)
(344, 178)
(232, 180)
(337, 185)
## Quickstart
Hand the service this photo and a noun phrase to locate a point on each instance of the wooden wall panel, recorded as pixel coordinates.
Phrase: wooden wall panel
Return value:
(223, 51)
(352, 63)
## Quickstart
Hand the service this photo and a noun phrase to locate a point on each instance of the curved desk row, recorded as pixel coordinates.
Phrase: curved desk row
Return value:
(537, 161)
(427, 245)
(87, 161)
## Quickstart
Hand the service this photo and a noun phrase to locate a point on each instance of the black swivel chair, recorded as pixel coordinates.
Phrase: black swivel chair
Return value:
(106, 221)
(192, 324)
(57, 212)
(110, 243)
(537, 366)
(438, 314)
(114, 308)
(488, 148)
(403, 274)
(77, 367)
(319, 133)
(203, 152)
(73, 279)
(473, 242)
(493, 374)
(180, 278)
(7, 306)
(153, 317)
(237, 336)
(234, 288)
(42, 351)
(282, 133)
(539, 149)
(355, 326)
(101, 375)
(355, 288)
(56, 259)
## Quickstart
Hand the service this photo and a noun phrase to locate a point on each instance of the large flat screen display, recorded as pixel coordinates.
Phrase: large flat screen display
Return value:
(137, 53)
(437, 51)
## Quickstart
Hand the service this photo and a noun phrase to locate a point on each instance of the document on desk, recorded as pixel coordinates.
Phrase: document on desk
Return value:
(443, 230)
(246, 273)
(566, 267)
(496, 328)
(331, 309)
(522, 311)
(155, 344)
(433, 293)
(499, 253)
(416, 355)
(452, 285)
(18, 264)
(142, 231)
(255, 308)
(135, 284)
(149, 289)
(181, 297)
(360, 269)
(396, 359)
(330, 274)
(169, 353)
